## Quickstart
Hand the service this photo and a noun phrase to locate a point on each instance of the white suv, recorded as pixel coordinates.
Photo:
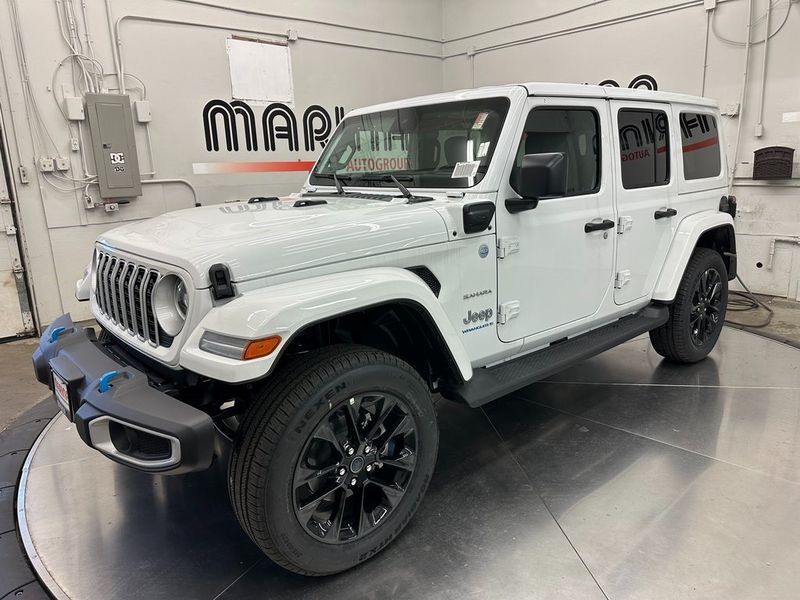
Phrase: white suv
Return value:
(466, 244)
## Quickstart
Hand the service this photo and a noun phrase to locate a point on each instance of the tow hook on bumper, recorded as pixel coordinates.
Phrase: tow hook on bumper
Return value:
(114, 408)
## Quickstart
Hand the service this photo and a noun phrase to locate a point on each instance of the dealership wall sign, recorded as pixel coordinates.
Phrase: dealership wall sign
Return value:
(647, 82)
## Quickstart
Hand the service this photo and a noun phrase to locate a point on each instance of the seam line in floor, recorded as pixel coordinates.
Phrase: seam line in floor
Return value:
(544, 503)
(657, 441)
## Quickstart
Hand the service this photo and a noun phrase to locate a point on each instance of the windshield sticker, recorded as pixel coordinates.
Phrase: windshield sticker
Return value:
(480, 120)
(483, 149)
(466, 169)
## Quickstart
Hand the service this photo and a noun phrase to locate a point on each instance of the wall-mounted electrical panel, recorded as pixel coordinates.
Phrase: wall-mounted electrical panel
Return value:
(114, 145)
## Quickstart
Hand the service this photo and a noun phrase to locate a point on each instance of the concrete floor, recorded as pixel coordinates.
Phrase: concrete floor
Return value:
(785, 323)
(20, 390)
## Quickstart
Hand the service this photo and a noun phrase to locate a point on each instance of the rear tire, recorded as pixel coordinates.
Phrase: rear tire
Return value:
(333, 458)
(697, 315)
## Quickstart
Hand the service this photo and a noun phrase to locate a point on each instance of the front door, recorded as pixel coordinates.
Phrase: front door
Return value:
(646, 185)
(555, 269)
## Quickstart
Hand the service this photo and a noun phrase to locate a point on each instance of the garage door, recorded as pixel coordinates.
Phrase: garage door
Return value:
(15, 317)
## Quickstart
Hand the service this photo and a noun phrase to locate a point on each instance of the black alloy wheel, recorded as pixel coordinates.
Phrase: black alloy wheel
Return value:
(706, 306)
(355, 467)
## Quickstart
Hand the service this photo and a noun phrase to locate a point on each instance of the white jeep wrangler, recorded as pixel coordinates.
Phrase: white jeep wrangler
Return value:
(466, 244)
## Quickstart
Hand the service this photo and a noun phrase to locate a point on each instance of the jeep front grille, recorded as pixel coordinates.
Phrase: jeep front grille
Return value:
(124, 292)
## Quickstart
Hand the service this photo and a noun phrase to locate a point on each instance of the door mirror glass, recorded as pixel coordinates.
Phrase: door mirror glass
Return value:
(543, 175)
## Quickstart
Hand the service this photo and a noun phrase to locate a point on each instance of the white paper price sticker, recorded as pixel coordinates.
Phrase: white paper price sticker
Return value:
(466, 169)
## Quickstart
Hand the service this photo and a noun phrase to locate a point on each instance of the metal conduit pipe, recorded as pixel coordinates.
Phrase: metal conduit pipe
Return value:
(579, 28)
(760, 125)
(258, 13)
(117, 39)
(178, 180)
(742, 97)
(779, 240)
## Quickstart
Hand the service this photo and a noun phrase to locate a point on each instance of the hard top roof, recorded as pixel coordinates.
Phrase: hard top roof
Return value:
(566, 90)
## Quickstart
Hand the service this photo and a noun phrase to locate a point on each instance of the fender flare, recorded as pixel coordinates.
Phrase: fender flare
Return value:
(684, 242)
(288, 308)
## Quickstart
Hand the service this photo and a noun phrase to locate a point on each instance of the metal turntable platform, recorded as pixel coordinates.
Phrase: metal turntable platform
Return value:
(623, 477)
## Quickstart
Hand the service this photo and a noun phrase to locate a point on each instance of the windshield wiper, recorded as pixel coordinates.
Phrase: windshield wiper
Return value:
(337, 180)
(396, 180)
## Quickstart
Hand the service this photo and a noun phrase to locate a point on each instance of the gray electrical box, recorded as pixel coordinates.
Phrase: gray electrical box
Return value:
(111, 127)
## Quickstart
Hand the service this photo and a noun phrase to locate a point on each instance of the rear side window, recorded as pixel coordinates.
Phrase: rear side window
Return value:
(573, 131)
(644, 148)
(700, 142)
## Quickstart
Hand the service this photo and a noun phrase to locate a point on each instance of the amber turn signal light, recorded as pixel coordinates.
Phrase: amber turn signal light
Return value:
(260, 348)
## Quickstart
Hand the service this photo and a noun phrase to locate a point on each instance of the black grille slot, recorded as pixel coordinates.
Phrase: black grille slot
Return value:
(428, 277)
(124, 292)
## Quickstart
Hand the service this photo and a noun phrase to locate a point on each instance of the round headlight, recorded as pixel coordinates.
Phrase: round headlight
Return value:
(171, 304)
(182, 299)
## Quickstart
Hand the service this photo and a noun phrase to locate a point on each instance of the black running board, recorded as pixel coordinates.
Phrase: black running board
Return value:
(488, 384)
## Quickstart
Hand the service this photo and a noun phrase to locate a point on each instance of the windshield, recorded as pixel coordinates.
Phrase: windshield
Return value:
(437, 146)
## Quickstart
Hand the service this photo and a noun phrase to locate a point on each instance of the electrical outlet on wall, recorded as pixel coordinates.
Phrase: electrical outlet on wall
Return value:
(62, 164)
(111, 206)
(74, 144)
(46, 164)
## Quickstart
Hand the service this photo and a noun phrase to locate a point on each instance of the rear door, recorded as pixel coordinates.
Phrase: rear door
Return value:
(555, 270)
(646, 188)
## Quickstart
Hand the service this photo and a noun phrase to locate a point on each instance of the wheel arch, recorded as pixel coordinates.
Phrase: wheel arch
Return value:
(712, 230)
(388, 308)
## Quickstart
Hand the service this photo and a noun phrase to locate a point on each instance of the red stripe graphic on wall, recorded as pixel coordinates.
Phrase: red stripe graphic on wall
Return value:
(215, 168)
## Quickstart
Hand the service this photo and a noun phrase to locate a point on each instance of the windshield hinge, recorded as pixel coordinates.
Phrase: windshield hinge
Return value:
(506, 246)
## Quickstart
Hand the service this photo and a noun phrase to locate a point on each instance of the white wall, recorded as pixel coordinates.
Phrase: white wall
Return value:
(351, 53)
(621, 39)
(346, 55)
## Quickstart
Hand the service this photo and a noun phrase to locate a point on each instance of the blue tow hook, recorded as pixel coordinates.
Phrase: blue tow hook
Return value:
(105, 381)
(56, 333)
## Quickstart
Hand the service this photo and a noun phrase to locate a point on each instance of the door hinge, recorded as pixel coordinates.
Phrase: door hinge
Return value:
(11, 230)
(622, 278)
(624, 224)
(506, 246)
(507, 311)
(4, 197)
(17, 267)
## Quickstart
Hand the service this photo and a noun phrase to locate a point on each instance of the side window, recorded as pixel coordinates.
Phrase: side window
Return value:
(573, 131)
(700, 146)
(644, 148)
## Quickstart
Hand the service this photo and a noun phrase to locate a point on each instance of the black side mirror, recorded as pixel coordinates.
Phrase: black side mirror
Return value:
(541, 176)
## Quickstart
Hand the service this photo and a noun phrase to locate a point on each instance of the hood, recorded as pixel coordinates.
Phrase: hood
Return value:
(267, 238)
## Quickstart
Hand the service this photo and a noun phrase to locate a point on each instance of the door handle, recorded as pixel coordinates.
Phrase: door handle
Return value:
(594, 226)
(665, 213)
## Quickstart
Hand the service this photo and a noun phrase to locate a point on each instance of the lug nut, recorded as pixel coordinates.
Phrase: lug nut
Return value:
(353, 481)
(369, 468)
(350, 452)
(342, 471)
(367, 449)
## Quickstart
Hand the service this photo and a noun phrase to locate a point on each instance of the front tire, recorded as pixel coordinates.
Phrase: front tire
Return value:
(697, 315)
(333, 458)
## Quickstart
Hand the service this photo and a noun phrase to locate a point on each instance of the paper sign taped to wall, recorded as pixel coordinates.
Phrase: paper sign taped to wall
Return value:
(466, 169)
(261, 71)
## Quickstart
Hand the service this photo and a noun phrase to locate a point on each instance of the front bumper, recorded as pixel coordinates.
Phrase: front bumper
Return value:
(121, 415)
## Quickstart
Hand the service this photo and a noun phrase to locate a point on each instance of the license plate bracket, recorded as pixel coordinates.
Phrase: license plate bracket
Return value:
(62, 394)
